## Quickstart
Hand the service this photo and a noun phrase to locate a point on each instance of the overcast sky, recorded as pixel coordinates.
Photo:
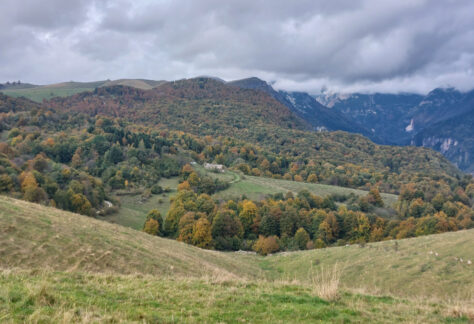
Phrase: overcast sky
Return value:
(372, 45)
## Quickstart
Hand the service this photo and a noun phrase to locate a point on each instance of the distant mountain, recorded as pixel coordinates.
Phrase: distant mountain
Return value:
(442, 120)
(453, 137)
(440, 105)
(202, 106)
(386, 115)
(305, 106)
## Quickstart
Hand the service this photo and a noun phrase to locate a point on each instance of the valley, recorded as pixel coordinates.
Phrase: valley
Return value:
(327, 225)
(236, 162)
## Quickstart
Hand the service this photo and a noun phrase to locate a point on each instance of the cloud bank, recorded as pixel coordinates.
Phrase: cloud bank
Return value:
(353, 45)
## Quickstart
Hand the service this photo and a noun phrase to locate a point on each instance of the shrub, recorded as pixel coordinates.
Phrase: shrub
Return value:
(156, 189)
(301, 238)
(151, 227)
(202, 236)
(319, 244)
(184, 186)
(266, 245)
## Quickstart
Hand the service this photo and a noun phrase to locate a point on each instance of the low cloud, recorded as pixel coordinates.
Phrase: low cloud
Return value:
(347, 46)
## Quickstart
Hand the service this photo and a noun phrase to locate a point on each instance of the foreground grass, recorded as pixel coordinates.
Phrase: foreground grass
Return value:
(37, 237)
(417, 267)
(66, 267)
(75, 297)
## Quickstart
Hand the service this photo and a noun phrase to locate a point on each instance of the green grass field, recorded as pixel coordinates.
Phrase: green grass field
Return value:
(34, 236)
(133, 210)
(65, 89)
(256, 188)
(416, 267)
(78, 297)
(62, 267)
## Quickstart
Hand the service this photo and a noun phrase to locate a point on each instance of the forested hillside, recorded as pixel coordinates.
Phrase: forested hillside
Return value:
(79, 153)
(208, 107)
(320, 118)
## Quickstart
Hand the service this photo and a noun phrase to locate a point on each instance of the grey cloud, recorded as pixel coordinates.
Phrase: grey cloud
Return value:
(46, 14)
(360, 45)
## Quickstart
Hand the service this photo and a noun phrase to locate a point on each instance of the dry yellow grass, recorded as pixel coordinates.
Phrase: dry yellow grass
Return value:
(326, 282)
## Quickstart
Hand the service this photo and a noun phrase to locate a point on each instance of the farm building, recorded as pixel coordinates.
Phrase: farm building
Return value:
(217, 167)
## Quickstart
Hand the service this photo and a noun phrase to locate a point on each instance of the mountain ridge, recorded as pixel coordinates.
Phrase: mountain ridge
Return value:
(404, 119)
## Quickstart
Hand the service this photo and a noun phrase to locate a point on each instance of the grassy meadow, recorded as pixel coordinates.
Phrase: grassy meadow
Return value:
(65, 89)
(416, 267)
(63, 267)
(79, 297)
(133, 208)
(257, 188)
(47, 92)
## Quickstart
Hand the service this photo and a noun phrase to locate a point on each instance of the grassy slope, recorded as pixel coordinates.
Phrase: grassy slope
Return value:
(170, 282)
(64, 89)
(135, 83)
(257, 187)
(34, 236)
(75, 297)
(403, 268)
(133, 210)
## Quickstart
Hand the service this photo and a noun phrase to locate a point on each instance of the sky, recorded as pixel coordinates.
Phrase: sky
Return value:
(305, 45)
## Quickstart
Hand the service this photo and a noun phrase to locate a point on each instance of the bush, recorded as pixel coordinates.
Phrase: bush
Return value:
(151, 227)
(156, 189)
(266, 245)
(301, 238)
(227, 243)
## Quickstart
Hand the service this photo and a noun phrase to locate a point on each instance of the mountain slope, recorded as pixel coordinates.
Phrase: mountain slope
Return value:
(386, 115)
(410, 119)
(135, 83)
(193, 105)
(439, 105)
(34, 236)
(453, 137)
(208, 107)
(305, 106)
(39, 93)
